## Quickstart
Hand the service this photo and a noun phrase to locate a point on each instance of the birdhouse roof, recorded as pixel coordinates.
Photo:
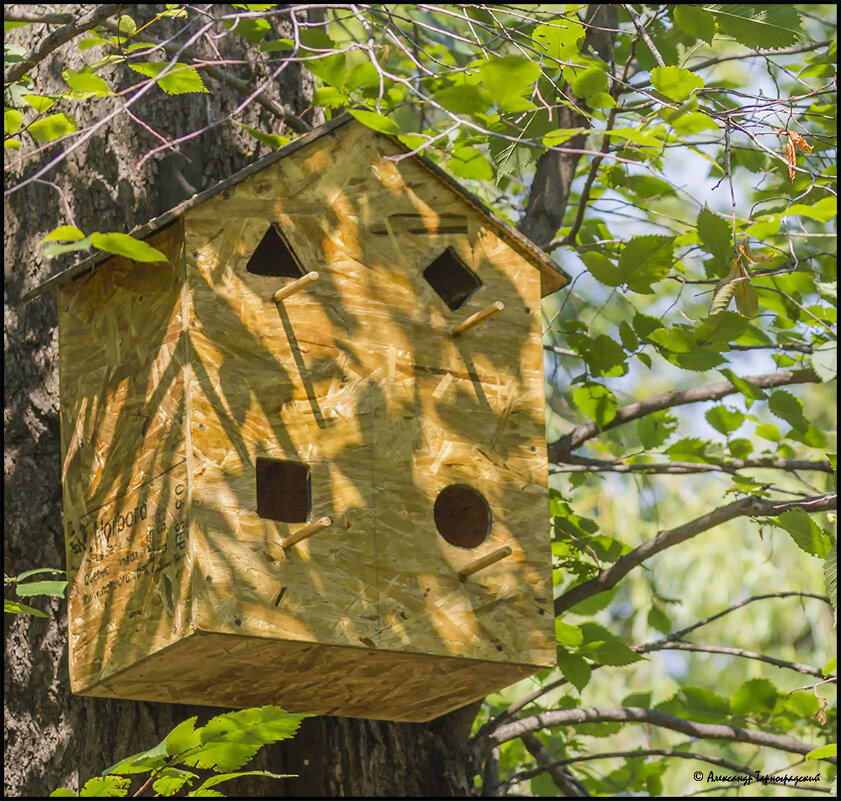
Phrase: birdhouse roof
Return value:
(552, 276)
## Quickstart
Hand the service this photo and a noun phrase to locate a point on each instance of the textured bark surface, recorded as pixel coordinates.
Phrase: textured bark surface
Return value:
(54, 738)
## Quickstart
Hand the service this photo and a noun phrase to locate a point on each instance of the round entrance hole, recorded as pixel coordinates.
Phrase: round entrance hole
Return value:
(462, 516)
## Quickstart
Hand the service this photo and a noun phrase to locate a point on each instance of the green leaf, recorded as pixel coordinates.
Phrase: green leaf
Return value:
(575, 668)
(688, 449)
(659, 620)
(11, 607)
(467, 162)
(768, 431)
(824, 751)
(181, 78)
(86, 81)
(374, 121)
(51, 251)
(823, 211)
(825, 361)
(591, 81)
(761, 26)
(832, 665)
(53, 588)
(806, 533)
(182, 738)
(558, 136)
(228, 741)
(678, 339)
(272, 140)
(787, 407)
(654, 429)
(597, 402)
(715, 235)
(695, 21)
(756, 696)
(740, 448)
(105, 786)
(645, 324)
(561, 40)
(170, 780)
(52, 127)
(226, 777)
(747, 301)
(12, 120)
(627, 336)
(724, 420)
(830, 575)
(697, 704)
(463, 98)
(128, 246)
(604, 356)
(602, 268)
(567, 634)
(721, 328)
(642, 700)
(648, 186)
(63, 792)
(750, 390)
(507, 78)
(675, 82)
(701, 360)
(646, 260)
(251, 29)
(605, 647)
(64, 233)
(595, 603)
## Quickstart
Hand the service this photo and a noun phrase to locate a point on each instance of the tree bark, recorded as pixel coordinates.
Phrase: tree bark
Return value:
(54, 738)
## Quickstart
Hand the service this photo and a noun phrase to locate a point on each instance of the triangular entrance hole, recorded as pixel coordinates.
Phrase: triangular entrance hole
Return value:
(274, 256)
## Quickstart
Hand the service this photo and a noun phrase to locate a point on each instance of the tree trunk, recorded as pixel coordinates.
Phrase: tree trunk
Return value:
(54, 738)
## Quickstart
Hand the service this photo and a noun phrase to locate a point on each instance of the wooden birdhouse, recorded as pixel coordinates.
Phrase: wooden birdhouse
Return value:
(304, 459)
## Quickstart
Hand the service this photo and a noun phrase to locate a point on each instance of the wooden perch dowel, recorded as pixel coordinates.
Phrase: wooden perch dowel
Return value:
(480, 316)
(306, 531)
(296, 286)
(485, 561)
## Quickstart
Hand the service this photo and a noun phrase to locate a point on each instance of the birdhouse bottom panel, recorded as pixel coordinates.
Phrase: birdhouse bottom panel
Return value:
(235, 671)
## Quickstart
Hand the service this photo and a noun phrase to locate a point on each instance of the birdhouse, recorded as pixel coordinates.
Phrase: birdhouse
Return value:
(304, 458)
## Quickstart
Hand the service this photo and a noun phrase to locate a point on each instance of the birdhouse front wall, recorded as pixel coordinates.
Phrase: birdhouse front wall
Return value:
(359, 378)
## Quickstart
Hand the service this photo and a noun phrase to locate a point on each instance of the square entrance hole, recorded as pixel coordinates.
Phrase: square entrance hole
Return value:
(283, 490)
(274, 256)
(452, 279)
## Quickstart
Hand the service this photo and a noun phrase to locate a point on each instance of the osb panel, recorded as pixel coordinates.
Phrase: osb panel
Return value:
(358, 376)
(122, 356)
(233, 671)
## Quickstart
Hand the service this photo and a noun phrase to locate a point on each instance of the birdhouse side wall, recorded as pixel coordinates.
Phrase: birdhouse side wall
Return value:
(122, 359)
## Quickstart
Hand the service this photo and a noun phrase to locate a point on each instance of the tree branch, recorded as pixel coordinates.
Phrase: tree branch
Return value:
(580, 464)
(667, 752)
(720, 649)
(704, 731)
(515, 707)
(57, 38)
(562, 779)
(751, 506)
(678, 635)
(560, 449)
(804, 48)
(240, 85)
(555, 171)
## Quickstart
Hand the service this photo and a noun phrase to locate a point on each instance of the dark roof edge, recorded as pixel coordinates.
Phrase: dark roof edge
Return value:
(552, 276)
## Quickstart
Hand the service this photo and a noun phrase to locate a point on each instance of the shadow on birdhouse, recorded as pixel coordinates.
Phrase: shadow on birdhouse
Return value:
(304, 458)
